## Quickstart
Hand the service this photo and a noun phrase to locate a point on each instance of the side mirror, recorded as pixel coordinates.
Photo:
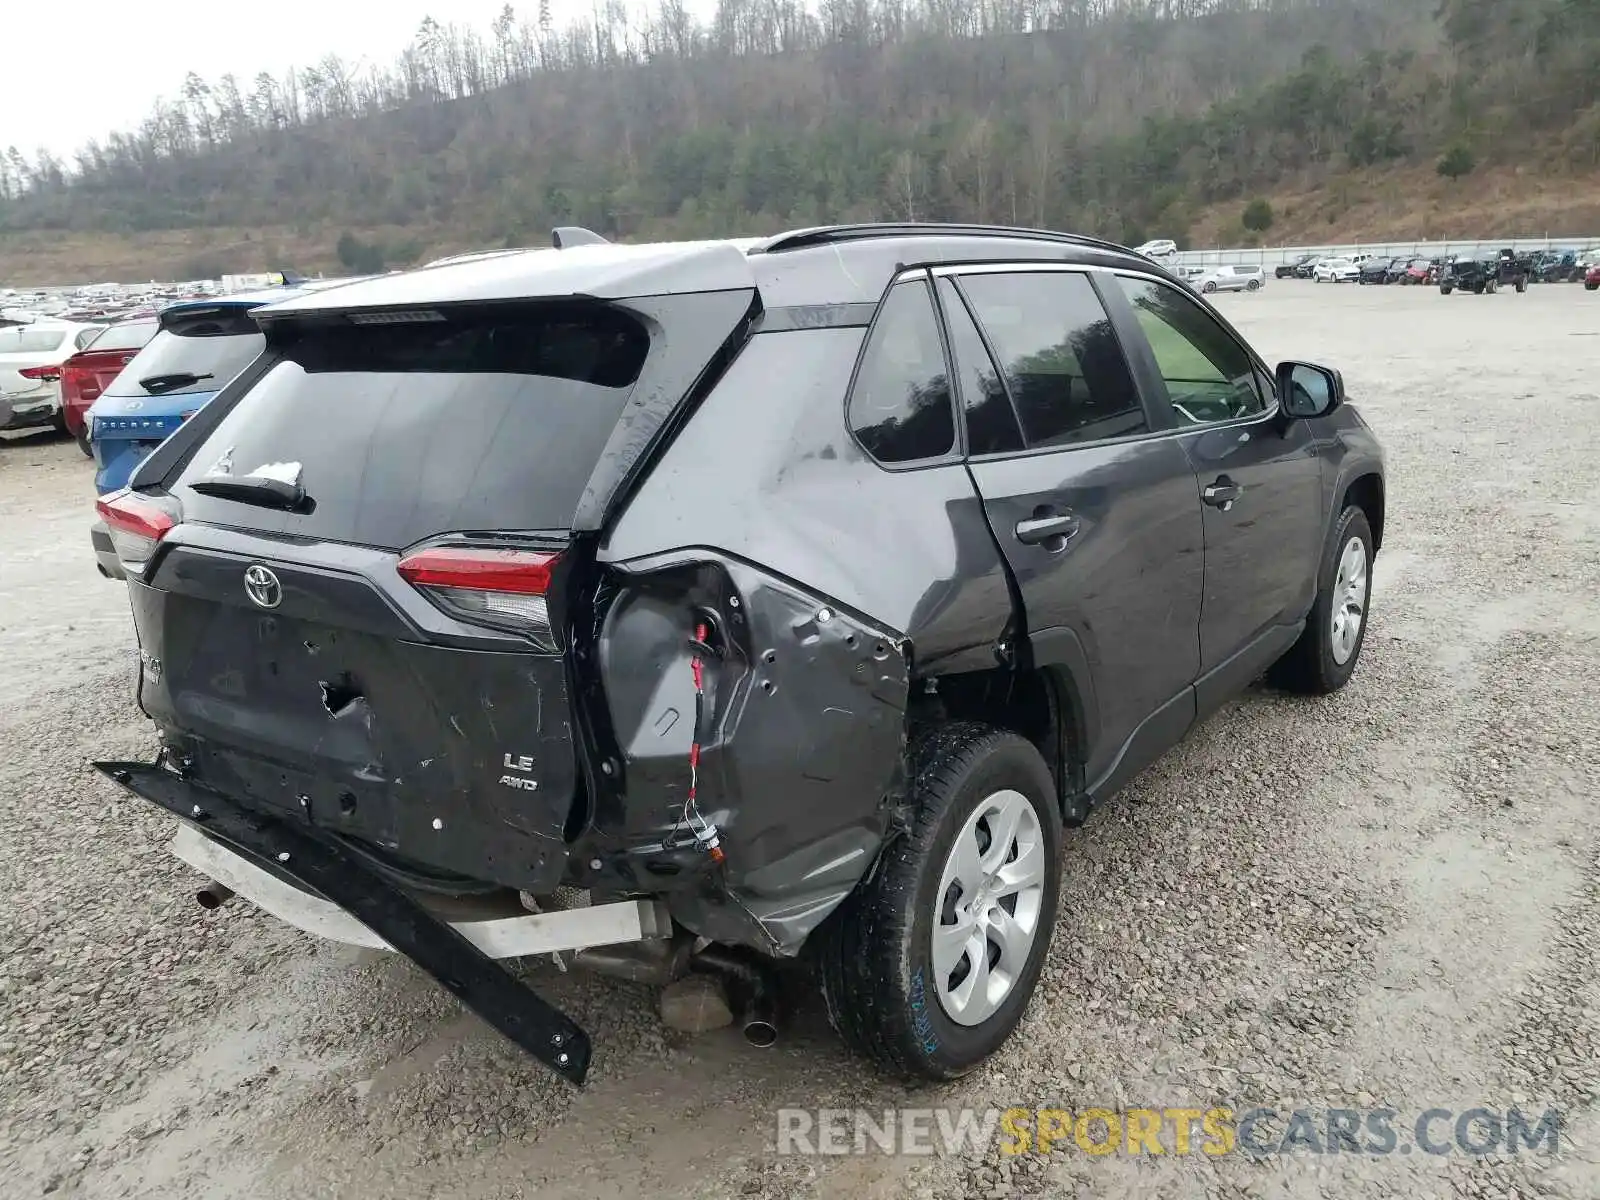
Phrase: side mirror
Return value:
(1306, 390)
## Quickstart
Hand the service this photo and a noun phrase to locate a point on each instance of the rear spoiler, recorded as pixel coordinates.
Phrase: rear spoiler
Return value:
(563, 236)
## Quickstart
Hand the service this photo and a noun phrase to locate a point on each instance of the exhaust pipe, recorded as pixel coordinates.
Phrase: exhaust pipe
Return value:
(214, 896)
(754, 987)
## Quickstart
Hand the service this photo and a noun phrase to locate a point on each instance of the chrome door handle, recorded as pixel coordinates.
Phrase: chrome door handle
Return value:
(1034, 531)
(1222, 493)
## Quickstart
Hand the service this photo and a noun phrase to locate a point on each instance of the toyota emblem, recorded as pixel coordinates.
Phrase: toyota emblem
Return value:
(262, 586)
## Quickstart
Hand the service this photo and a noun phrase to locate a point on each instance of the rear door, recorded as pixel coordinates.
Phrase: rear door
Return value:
(358, 616)
(1094, 509)
(1260, 480)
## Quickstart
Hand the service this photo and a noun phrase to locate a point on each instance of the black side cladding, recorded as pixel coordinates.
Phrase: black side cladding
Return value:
(322, 865)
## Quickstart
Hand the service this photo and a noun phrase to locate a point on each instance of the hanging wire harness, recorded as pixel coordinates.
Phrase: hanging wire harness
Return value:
(704, 832)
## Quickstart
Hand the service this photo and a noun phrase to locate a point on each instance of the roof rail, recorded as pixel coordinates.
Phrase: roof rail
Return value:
(574, 235)
(823, 235)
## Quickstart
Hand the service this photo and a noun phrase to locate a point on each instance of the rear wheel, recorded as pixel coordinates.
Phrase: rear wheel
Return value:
(1208, 288)
(1522, 286)
(1253, 285)
(85, 444)
(1325, 656)
(1445, 289)
(928, 967)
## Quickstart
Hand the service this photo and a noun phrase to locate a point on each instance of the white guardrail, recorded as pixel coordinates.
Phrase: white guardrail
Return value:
(1271, 256)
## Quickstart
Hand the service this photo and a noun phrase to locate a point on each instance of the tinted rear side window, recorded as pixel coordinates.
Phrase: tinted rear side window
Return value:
(1062, 362)
(900, 406)
(212, 345)
(486, 421)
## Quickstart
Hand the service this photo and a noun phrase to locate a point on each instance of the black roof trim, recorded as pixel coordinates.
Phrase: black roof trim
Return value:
(815, 316)
(824, 235)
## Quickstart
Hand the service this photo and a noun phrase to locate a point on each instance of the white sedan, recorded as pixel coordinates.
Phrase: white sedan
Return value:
(1335, 270)
(30, 370)
(1230, 279)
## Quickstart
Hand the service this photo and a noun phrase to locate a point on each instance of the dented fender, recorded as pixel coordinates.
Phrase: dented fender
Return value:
(802, 744)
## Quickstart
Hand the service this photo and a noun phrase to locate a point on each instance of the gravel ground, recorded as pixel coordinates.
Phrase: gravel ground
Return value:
(1387, 897)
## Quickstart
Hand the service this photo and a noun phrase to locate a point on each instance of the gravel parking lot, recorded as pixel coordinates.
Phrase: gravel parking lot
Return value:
(1385, 898)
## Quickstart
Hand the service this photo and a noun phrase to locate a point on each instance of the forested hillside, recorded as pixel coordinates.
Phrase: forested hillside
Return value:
(1119, 117)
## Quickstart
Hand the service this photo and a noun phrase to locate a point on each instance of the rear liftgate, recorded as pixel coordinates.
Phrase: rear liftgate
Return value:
(460, 962)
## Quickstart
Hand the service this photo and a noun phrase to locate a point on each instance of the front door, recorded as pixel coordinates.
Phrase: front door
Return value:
(1260, 481)
(1096, 514)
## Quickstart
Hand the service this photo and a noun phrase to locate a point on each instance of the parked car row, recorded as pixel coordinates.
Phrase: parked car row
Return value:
(1555, 266)
(32, 360)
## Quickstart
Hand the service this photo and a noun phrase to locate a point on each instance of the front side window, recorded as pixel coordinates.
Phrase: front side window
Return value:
(900, 406)
(1209, 375)
(1060, 357)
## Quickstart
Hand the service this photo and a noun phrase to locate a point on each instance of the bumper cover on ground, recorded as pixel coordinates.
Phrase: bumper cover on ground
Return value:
(397, 919)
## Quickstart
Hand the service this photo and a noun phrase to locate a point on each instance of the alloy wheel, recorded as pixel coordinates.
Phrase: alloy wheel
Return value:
(991, 892)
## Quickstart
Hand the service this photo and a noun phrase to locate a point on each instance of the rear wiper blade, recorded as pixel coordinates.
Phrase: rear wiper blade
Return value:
(260, 490)
(156, 384)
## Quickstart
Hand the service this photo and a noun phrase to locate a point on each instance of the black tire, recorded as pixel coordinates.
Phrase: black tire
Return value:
(1208, 288)
(1445, 289)
(1253, 285)
(1309, 665)
(876, 950)
(1522, 286)
(85, 445)
(1591, 287)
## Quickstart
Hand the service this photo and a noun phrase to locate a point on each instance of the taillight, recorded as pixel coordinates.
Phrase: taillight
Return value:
(136, 524)
(488, 586)
(79, 383)
(43, 374)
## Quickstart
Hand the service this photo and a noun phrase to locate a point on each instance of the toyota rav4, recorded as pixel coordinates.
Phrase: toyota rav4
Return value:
(701, 606)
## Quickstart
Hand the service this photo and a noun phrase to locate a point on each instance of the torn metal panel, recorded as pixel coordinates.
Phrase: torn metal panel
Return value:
(801, 747)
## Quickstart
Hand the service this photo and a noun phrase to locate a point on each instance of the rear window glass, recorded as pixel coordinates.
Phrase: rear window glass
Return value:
(129, 336)
(491, 420)
(32, 341)
(197, 355)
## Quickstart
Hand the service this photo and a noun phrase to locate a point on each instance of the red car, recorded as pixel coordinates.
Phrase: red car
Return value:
(1591, 278)
(87, 373)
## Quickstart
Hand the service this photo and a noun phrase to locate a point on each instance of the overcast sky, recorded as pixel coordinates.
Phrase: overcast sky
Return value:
(75, 71)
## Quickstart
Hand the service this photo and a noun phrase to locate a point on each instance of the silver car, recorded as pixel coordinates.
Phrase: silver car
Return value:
(1231, 279)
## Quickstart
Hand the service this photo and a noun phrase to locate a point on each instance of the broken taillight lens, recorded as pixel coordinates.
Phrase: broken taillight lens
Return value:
(136, 524)
(489, 586)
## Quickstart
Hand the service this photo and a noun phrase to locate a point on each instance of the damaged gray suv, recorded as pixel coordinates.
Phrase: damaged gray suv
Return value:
(697, 607)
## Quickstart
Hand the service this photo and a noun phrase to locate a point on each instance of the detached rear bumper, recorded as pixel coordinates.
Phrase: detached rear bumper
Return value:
(312, 881)
(30, 413)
